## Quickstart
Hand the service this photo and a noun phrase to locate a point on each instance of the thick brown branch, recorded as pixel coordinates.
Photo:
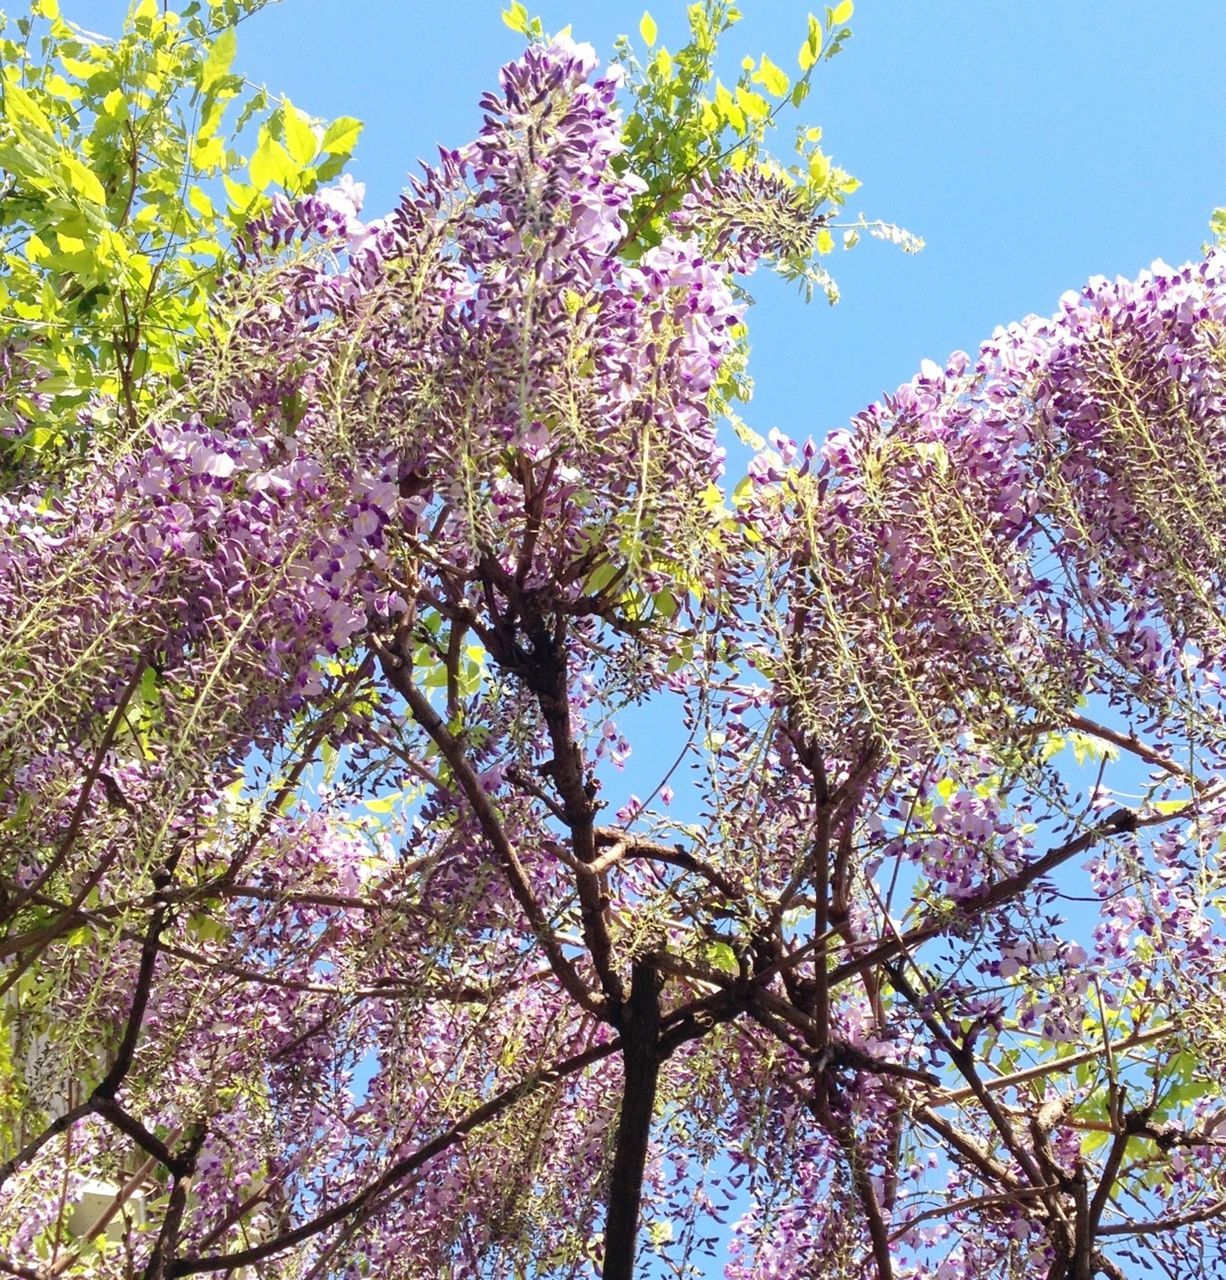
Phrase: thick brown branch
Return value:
(166, 1245)
(148, 1142)
(11, 1268)
(1214, 1209)
(546, 676)
(1125, 741)
(641, 1055)
(635, 846)
(862, 1180)
(970, 1149)
(106, 1087)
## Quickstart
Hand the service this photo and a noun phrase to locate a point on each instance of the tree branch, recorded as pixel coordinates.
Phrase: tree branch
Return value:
(641, 1055)
(398, 1171)
(401, 680)
(1120, 822)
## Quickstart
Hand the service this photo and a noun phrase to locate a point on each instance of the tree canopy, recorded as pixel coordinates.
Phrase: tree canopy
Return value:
(333, 554)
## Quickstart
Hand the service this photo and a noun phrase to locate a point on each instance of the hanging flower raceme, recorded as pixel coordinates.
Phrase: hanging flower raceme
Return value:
(996, 540)
(538, 394)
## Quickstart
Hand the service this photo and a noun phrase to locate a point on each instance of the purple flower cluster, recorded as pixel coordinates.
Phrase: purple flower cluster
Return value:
(1000, 538)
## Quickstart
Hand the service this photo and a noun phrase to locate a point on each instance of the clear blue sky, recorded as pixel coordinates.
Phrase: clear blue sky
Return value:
(1031, 144)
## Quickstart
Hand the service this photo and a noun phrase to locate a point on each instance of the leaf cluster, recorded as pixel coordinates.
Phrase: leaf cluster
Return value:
(119, 201)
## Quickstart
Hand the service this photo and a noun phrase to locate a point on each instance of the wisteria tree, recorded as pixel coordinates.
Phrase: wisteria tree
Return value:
(334, 946)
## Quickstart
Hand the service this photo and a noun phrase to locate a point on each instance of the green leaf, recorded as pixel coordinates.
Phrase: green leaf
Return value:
(516, 17)
(241, 196)
(727, 107)
(383, 804)
(341, 136)
(1051, 746)
(647, 29)
(115, 105)
(200, 201)
(21, 108)
(600, 578)
(660, 1233)
(1094, 1141)
(719, 955)
(82, 68)
(772, 78)
(20, 815)
(219, 59)
(57, 87)
(271, 164)
(300, 137)
(208, 153)
(204, 928)
(819, 171)
(82, 181)
(754, 105)
(665, 604)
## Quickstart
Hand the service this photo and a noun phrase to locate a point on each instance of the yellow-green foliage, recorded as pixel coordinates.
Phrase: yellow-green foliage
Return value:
(121, 197)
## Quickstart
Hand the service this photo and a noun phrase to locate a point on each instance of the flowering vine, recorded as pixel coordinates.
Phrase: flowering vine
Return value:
(306, 693)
